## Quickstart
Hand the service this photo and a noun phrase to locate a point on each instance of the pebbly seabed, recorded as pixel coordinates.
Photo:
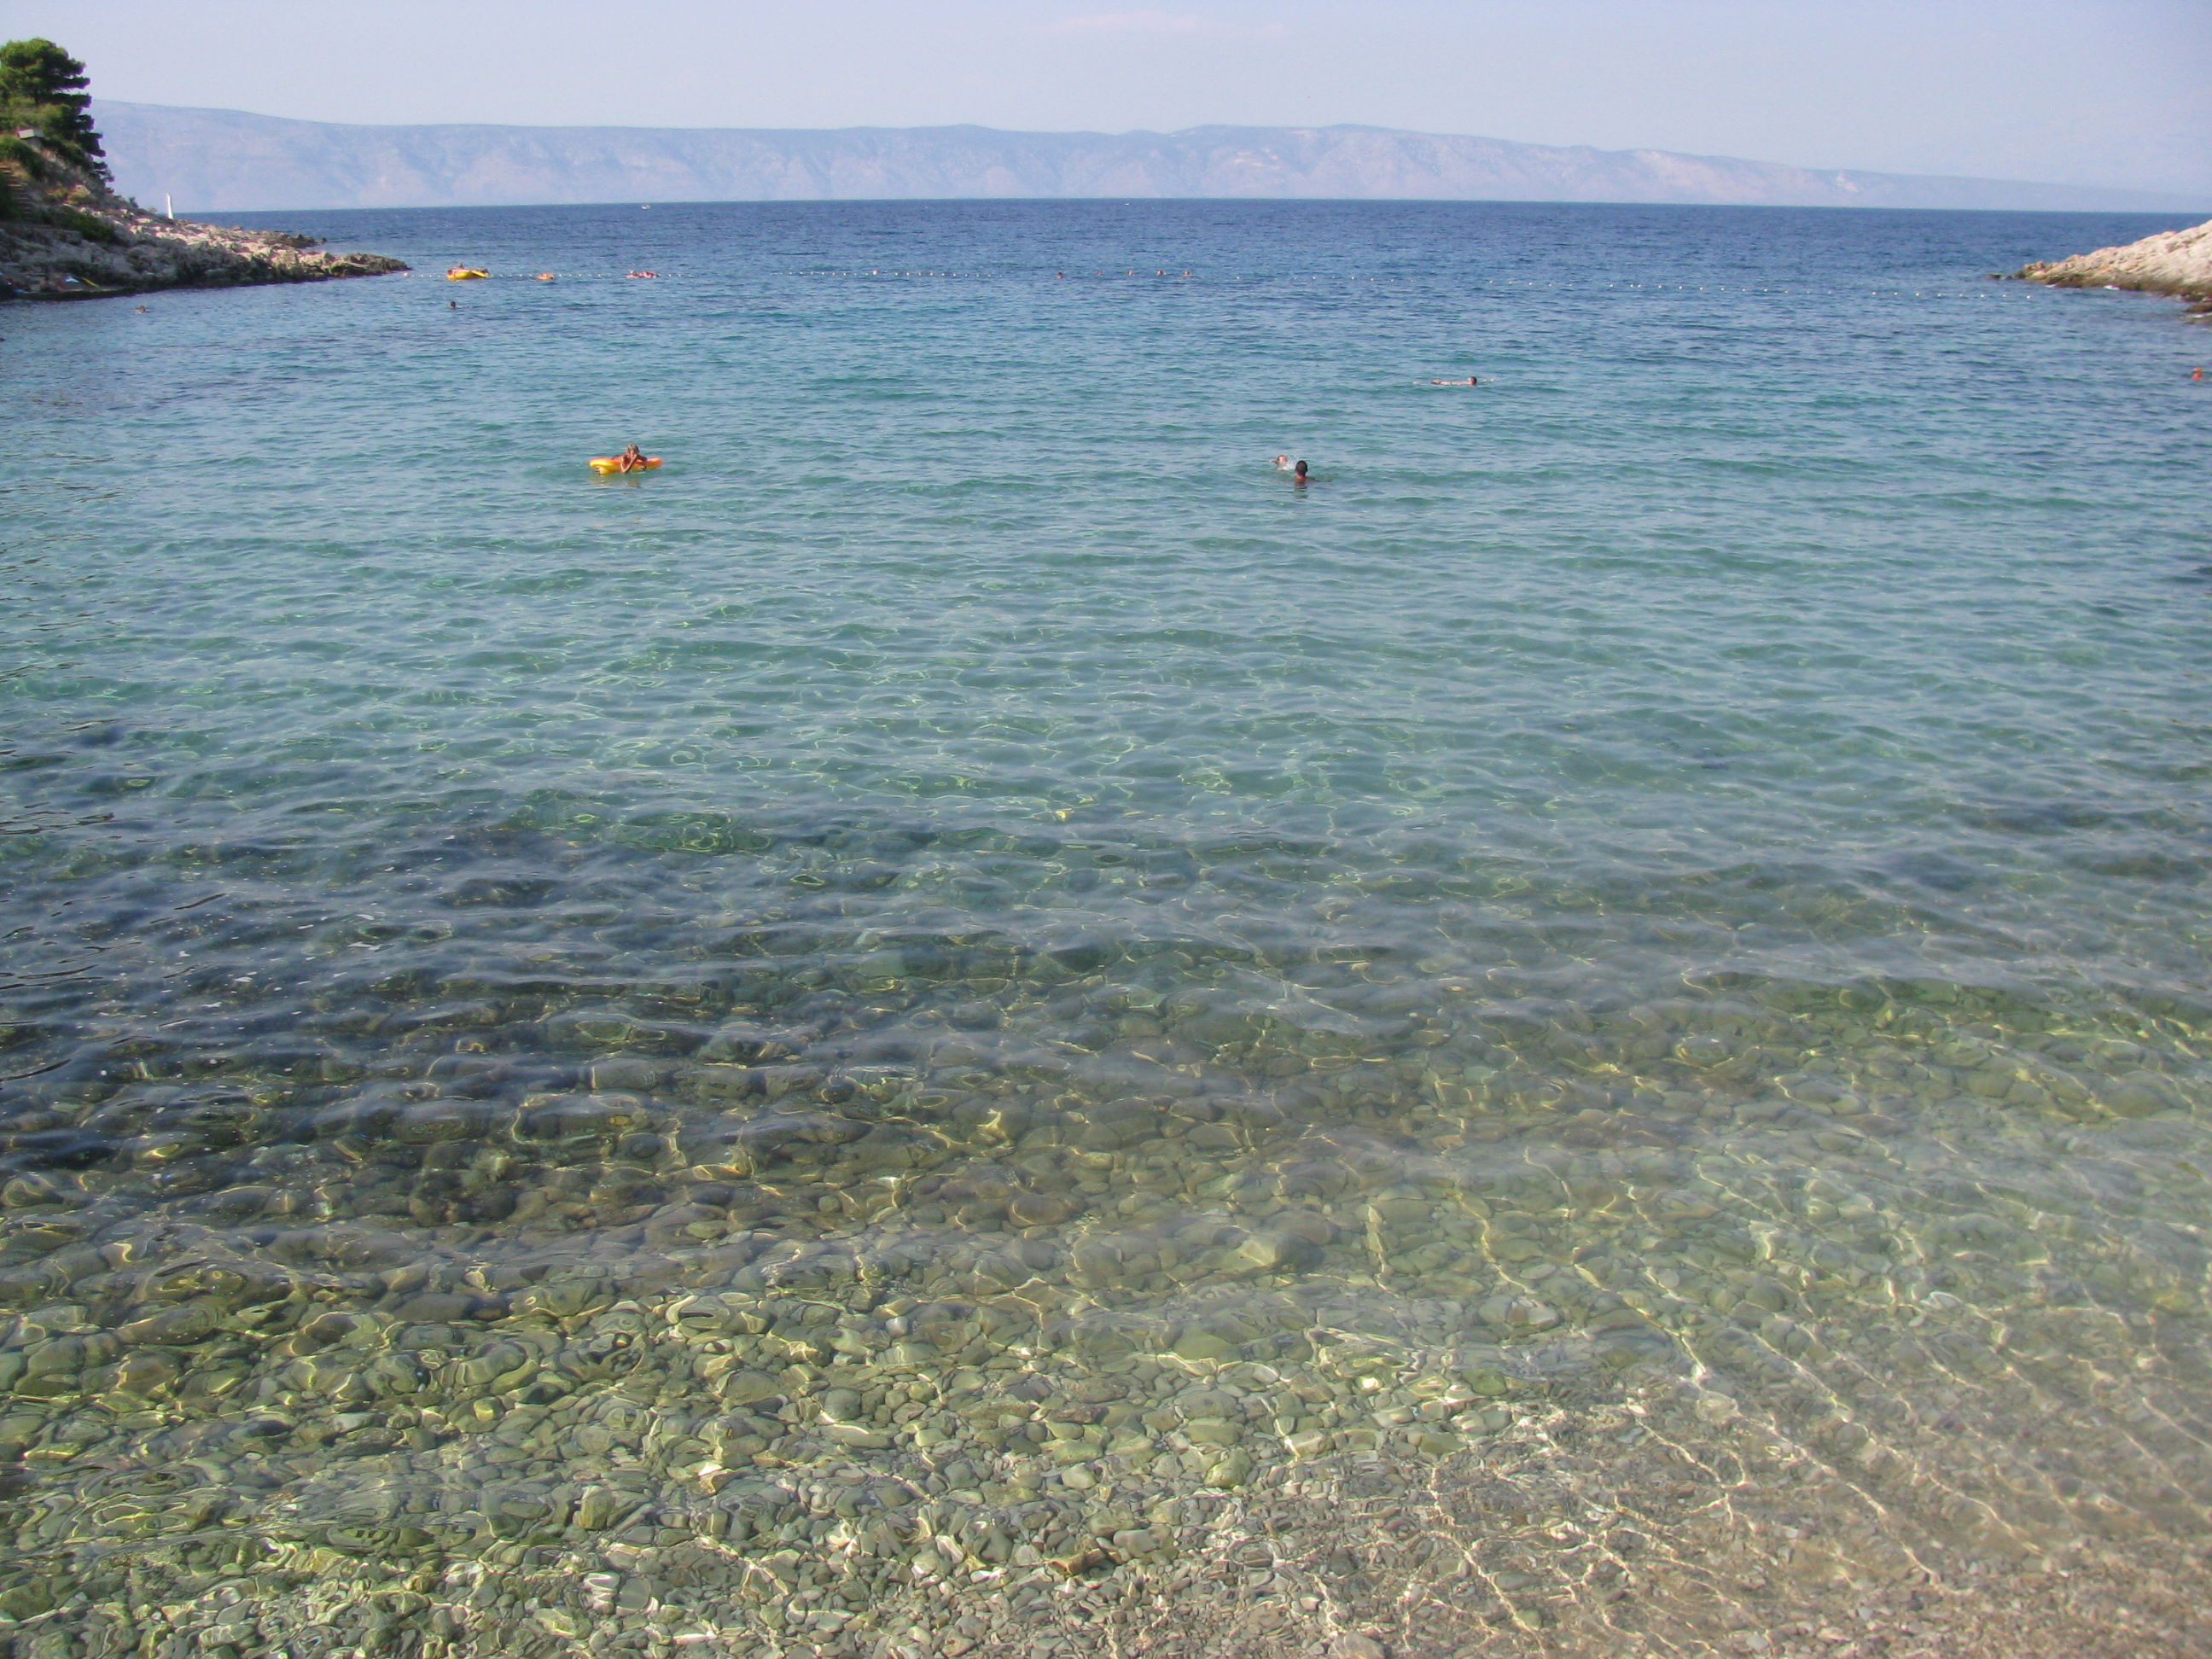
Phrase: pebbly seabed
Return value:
(740, 1344)
(965, 1024)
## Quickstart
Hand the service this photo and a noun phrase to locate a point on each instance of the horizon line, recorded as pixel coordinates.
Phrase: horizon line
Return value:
(1177, 133)
(634, 205)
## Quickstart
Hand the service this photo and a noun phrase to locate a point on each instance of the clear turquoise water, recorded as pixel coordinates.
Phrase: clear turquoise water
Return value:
(1753, 747)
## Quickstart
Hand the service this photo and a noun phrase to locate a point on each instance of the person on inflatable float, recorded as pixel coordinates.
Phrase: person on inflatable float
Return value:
(631, 460)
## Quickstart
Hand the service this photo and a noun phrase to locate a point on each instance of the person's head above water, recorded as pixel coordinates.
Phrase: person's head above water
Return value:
(1300, 469)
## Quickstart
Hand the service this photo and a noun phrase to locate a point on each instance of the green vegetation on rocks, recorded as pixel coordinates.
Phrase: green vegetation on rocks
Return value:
(42, 89)
(64, 233)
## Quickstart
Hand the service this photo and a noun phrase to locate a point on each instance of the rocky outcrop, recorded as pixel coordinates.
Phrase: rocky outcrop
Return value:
(67, 236)
(2177, 262)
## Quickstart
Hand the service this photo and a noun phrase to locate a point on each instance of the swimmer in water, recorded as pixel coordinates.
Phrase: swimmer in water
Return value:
(1470, 380)
(1282, 464)
(1299, 476)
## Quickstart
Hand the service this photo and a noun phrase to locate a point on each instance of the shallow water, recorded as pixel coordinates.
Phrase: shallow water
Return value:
(966, 943)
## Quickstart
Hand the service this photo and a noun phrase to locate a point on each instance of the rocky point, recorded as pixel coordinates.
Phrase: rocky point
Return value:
(67, 235)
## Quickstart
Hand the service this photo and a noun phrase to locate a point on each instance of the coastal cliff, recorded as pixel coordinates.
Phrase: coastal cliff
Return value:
(2176, 262)
(64, 235)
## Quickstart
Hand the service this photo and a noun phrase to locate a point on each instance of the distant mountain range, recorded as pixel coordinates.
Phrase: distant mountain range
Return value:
(225, 161)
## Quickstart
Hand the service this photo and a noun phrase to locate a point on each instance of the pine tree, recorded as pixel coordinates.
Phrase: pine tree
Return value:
(43, 88)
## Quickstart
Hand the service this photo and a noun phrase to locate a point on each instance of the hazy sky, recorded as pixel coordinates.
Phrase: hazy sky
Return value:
(2107, 92)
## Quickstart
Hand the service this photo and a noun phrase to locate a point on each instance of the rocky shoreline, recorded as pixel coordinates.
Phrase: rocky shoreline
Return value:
(2177, 262)
(85, 242)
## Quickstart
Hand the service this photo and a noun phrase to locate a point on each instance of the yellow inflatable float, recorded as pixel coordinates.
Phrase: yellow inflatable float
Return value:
(613, 464)
(466, 274)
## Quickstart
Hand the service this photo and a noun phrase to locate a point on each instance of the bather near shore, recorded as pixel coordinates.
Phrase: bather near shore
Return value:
(2176, 262)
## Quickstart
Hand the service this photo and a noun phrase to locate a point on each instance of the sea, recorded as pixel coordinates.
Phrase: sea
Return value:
(970, 975)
